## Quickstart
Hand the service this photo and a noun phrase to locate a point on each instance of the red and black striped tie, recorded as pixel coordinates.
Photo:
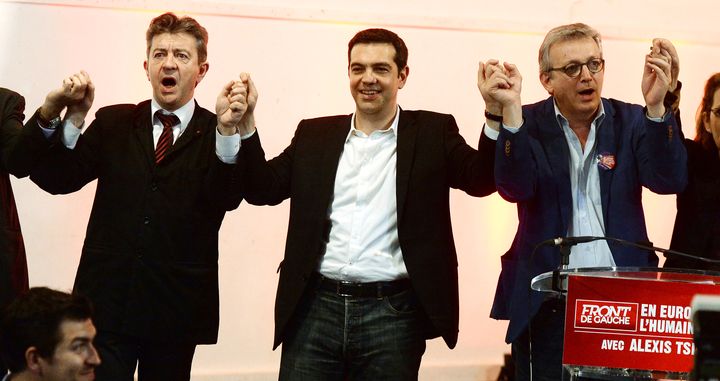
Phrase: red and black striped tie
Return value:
(166, 137)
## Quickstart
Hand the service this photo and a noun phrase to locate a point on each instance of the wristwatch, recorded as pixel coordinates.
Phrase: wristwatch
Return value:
(49, 124)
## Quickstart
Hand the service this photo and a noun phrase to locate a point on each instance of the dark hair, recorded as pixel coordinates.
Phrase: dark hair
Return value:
(703, 112)
(169, 23)
(382, 36)
(33, 320)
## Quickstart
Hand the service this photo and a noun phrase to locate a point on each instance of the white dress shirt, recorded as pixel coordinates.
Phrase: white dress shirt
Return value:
(363, 244)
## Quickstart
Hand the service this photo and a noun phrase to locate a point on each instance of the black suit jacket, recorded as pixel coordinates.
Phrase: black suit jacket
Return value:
(13, 266)
(432, 157)
(149, 261)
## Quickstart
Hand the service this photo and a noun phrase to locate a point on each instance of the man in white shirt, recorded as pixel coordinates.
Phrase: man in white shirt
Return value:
(370, 268)
(575, 164)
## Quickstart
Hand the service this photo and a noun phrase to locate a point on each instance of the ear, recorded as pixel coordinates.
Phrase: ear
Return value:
(545, 80)
(145, 66)
(204, 67)
(403, 75)
(32, 360)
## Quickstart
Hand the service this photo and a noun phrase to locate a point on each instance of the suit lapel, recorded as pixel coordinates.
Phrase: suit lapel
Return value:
(198, 124)
(142, 123)
(406, 137)
(556, 149)
(606, 148)
(333, 143)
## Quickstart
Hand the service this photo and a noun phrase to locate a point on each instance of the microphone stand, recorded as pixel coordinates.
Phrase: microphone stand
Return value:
(564, 265)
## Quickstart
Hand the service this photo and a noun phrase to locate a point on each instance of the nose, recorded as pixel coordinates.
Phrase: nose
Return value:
(93, 356)
(585, 74)
(169, 62)
(368, 77)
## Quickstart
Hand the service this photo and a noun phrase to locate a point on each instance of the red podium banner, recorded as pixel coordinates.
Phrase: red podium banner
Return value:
(634, 320)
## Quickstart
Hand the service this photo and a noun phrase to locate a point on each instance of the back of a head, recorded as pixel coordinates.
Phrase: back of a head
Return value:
(33, 320)
(561, 33)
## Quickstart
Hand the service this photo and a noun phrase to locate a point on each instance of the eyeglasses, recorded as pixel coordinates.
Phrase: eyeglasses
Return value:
(572, 70)
(716, 112)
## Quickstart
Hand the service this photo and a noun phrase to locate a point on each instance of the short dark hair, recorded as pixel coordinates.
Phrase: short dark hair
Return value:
(703, 112)
(381, 36)
(169, 23)
(34, 319)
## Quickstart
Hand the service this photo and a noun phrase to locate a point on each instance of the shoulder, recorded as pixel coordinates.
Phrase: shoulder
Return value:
(122, 110)
(424, 116)
(10, 95)
(11, 101)
(325, 122)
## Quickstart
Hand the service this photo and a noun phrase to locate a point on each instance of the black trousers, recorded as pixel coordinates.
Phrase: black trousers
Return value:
(546, 333)
(121, 354)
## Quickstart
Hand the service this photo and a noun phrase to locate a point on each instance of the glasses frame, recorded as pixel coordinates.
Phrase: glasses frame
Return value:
(564, 69)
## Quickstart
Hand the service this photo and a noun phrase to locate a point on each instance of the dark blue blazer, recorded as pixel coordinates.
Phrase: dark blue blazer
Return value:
(532, 170)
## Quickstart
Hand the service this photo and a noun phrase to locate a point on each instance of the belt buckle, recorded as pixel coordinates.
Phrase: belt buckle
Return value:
(340, 290)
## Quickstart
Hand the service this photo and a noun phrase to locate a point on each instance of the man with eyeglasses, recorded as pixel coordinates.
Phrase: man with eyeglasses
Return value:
(575, 164)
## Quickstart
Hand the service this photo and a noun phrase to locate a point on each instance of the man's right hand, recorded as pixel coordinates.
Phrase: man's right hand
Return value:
(76, 93)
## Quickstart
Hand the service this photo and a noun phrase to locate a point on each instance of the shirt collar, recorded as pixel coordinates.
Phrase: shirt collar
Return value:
(563, 120)
(393, 126)
(184, 113)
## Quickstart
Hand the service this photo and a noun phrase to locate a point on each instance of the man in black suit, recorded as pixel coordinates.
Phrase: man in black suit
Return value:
(149, 262)
(370, 268)
(13, 266)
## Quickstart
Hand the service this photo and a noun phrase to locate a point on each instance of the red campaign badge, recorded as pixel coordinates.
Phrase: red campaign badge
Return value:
(606, 160)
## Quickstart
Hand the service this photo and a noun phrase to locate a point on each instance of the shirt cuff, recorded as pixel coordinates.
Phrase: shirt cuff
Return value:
(490, 133)
(246, 136)
(227, 147)
(70, 134)
(511, 130)
(661, 119)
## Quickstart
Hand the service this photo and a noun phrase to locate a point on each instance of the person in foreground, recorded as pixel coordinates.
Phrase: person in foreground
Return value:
(47, 335)
(167, 170)
(697, 223)
(575, 164)
(370, 268)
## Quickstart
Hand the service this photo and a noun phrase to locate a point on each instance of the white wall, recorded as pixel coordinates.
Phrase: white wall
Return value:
(296, 53)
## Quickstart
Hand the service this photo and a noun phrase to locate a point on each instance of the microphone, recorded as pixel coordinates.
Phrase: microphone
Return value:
(570, 241)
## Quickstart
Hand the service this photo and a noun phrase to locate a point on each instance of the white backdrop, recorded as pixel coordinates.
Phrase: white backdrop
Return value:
(296, 54)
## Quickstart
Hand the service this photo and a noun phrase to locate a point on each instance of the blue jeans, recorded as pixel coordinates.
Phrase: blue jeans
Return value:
(333, 337)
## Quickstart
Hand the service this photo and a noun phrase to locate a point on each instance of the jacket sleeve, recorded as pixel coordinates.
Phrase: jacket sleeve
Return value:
(515, 167)
(61, 170)
(267, 182)
(662, 158)
(471, 170)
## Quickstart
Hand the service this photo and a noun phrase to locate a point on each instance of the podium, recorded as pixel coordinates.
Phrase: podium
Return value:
(624, 323)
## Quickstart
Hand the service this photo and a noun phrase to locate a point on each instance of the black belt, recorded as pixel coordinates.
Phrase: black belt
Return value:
(362, 290)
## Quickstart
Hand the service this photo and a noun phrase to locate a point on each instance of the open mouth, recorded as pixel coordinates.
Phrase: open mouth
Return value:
(587, 92)
(168, 82)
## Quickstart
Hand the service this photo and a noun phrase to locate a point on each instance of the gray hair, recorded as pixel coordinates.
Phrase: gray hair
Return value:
(565, 33)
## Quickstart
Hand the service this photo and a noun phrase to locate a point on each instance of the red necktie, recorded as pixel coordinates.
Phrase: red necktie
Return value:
(166, 137)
